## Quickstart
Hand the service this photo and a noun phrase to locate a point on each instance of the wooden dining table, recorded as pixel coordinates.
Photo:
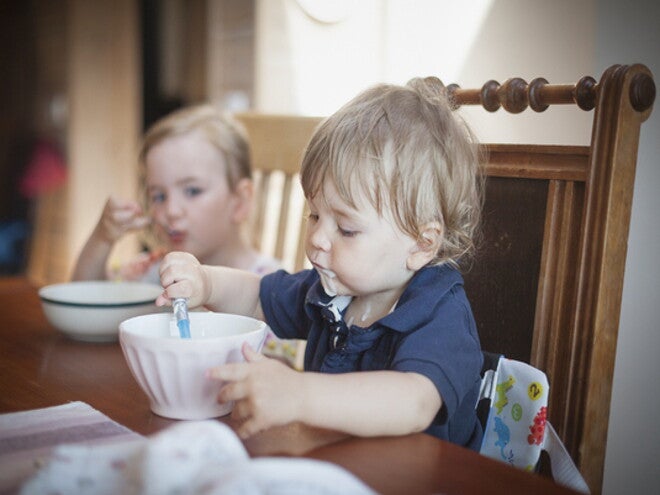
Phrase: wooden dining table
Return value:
(40, 367)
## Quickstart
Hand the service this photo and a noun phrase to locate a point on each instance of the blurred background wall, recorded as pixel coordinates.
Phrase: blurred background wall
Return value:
(81, 79)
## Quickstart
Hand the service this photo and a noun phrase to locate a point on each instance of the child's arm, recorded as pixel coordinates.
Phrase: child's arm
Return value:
(118, 217)
(370, 403)
(217, 287)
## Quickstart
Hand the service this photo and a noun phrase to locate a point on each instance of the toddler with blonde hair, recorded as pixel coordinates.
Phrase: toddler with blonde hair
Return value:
(392, 183)
(198, 192)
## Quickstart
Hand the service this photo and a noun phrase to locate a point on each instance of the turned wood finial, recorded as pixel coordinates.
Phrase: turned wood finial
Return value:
(642, 92)
(513, 95)
(534, 94)
(489, 98)
(585, 93)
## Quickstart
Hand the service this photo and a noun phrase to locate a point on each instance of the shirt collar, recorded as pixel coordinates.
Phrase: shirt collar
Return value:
(414, 307)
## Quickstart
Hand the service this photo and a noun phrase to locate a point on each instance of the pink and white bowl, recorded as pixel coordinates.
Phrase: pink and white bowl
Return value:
(172, 371)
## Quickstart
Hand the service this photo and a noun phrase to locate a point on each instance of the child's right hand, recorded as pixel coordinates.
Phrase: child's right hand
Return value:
(119, 217)
(182, 275)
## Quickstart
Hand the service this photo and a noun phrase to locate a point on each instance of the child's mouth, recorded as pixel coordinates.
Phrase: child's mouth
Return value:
(176, 236)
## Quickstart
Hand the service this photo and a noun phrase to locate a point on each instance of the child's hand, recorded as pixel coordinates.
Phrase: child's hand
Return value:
(119, 217)
(261, 391)
(182, 275)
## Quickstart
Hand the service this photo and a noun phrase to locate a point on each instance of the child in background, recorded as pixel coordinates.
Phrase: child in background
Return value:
(393, 187)
(195, 170)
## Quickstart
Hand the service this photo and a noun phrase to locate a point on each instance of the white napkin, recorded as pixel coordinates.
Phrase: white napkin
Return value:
(195, 457)
(27, 438)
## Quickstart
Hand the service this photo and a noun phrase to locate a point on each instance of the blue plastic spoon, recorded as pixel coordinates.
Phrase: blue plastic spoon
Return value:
(180, 308)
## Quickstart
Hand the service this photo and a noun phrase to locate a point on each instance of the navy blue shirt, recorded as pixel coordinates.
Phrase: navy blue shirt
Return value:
(431, 331)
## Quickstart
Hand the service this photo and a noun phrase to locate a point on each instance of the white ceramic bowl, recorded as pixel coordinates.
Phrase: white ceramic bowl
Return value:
(171, 370)
(92, 310)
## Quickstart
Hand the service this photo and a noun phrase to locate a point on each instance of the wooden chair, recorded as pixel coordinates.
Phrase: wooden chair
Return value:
(546, 284)
(547, 281)
(277, 143)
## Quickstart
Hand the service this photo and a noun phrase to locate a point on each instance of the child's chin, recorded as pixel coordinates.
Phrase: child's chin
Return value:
(329, 285)
(180, 245)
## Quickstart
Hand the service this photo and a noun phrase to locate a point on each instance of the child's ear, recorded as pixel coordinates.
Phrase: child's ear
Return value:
(427, 246)
(244, 193)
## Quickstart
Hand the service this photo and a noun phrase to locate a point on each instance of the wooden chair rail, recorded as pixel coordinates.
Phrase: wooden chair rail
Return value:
(515, 95)
(537, 161)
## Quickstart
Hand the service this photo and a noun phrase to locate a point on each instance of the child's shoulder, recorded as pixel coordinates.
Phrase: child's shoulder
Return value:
(436, 293)
(437, 278)
(297, 286)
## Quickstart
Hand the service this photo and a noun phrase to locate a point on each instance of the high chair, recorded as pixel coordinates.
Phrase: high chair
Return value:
(547, 279)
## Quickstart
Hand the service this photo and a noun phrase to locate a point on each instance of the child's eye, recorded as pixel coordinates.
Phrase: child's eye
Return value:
(192, 191)
(157, 198)
(312, 217)
(347, 233)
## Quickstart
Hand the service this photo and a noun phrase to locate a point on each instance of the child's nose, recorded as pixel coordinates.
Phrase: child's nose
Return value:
(173, 208)
(318, 238)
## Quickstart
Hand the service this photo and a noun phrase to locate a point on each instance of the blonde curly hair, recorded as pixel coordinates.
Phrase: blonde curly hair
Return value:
(404, 149)
(220, 130)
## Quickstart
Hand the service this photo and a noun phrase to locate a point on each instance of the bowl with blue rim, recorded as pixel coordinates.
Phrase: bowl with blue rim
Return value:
(91, 311)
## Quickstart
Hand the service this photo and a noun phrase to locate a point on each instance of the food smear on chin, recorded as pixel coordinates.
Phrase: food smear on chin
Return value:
(328, 281)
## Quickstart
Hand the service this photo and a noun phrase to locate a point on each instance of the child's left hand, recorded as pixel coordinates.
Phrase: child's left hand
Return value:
(261, 390)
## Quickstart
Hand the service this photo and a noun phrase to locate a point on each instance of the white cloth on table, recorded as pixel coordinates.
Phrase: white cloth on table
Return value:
(28, 437)
(196, 457)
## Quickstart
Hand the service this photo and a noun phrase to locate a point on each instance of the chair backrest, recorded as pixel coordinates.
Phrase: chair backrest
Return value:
(277, 143)
(546, 286)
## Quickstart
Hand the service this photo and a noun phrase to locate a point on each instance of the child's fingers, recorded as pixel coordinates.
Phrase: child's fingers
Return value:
(163, 300)
(241, 410)
(132, 222)
(232, 391)
(141, 222)
(248, 428)
(176, 267)
(122, 216)
(116, 204)
(250, 354)
(229, 372)
(174, 288)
